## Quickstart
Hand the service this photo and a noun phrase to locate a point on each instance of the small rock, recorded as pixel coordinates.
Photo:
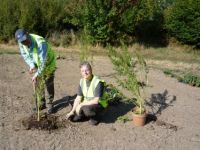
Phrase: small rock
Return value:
(113, 129)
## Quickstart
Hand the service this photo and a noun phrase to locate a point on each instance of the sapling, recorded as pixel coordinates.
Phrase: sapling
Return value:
(127, 68)
(39, 89)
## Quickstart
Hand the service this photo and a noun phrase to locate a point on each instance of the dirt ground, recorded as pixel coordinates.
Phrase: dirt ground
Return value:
(175, 104)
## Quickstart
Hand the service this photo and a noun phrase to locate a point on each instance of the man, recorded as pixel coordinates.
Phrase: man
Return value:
(89, 101)
(39, 56)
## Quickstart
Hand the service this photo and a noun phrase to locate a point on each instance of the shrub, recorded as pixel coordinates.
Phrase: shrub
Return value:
(183, 21)
(108, 21)
(37, 16)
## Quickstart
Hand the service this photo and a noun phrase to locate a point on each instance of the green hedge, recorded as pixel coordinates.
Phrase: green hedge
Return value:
(40, 16)
(105, 21)
(183, 21)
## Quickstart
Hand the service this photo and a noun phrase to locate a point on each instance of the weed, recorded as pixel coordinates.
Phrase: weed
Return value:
(191, 80)
(113, 95)
(123, 119)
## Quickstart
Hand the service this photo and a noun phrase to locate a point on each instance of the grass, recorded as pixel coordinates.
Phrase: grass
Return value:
(185, 77)
(171, 57)
(174, 54)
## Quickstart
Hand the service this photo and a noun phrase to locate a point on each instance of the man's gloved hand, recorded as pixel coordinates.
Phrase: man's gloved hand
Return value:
(32, 70)
(34, 79)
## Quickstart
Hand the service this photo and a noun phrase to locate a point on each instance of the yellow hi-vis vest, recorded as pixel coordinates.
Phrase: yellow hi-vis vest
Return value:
(88, 92)
(50, 63)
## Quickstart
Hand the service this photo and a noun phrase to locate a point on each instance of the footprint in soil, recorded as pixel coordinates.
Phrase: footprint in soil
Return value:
(166, 125)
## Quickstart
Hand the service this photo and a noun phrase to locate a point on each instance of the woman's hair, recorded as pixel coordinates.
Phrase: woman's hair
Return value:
(86, 63)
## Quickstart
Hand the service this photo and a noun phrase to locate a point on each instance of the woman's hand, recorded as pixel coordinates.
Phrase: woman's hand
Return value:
(69, 115)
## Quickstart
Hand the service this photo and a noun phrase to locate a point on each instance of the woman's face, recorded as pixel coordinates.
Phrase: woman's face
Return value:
(86, 72)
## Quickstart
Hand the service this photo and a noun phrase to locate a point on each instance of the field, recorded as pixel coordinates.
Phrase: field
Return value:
(176, 106)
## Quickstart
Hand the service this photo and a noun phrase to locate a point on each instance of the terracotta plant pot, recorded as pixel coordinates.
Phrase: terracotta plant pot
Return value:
(139, 119)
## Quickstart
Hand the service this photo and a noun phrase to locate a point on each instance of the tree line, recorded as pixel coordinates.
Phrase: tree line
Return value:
(105, 21)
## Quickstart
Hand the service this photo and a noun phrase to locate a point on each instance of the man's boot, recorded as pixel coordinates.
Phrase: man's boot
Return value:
(50, 107)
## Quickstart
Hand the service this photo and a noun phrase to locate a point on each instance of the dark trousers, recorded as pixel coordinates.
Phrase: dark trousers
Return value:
(91, 111)
(43, 82)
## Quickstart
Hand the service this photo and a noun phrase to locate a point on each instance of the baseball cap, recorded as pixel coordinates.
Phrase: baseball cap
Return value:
(21, 35)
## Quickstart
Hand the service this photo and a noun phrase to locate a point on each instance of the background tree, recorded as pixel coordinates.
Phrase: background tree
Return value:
(104, 21)
(183, 21)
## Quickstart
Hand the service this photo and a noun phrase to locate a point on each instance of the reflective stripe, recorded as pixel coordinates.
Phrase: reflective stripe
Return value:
(37, 40)
(36, 57)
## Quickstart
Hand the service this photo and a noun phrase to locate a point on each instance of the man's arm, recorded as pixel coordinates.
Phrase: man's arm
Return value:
(42, 53)
(26, 57)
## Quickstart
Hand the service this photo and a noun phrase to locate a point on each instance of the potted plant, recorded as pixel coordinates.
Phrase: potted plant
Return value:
(130, 71)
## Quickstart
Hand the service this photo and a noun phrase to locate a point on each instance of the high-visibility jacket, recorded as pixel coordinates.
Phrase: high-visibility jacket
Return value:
(88, 92)
(44, 61)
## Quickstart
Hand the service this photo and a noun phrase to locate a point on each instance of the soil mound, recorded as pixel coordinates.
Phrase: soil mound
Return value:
(46, 122)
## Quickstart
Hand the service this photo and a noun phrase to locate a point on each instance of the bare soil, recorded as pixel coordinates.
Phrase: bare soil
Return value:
(173, 123)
